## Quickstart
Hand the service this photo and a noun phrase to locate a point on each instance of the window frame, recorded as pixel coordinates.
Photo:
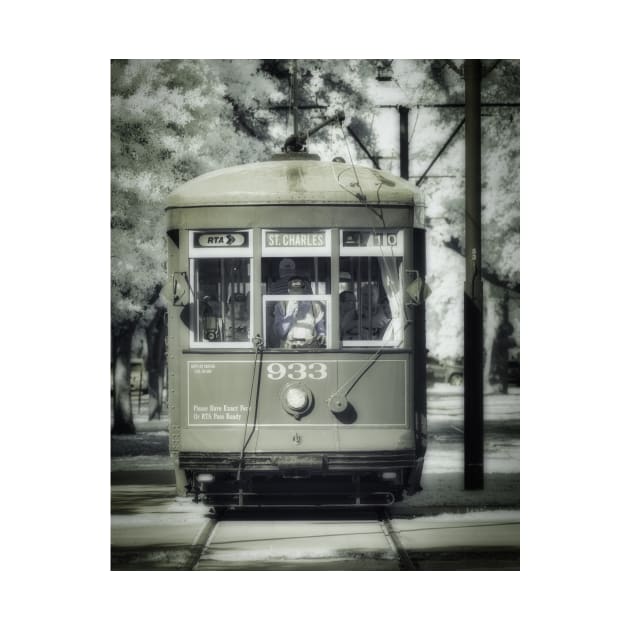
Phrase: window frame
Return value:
(368, 251)
(195, 253)
(325, 299)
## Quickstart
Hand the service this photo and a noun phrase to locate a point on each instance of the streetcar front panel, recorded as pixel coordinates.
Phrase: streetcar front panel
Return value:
(218, 408)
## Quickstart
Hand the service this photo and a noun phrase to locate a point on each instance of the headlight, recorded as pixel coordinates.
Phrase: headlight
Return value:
(296, 399)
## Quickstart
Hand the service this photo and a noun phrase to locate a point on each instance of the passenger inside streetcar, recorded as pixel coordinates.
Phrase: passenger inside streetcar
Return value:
(348, 316)
(286, 269)
(375, 315)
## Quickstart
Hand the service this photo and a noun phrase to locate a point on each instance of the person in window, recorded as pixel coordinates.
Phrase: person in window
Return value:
(348, 317)
(375, 317)
(299, 324)
(237, 320)
(345, 281)
(286, 270)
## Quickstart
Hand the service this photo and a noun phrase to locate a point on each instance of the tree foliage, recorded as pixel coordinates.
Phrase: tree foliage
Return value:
(427, 83)
(171, 121)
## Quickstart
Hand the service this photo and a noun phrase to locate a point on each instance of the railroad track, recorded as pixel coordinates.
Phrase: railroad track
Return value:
(404, 560)
(298, 544)
(201, 543)
(334, 540)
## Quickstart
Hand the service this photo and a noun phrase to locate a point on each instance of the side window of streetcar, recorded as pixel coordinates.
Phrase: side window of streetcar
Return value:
(221, 288)
(371, 311)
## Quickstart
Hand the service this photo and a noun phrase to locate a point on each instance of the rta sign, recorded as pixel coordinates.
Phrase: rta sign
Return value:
(230, 239)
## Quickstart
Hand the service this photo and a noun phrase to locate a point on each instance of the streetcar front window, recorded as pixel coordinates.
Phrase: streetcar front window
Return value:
(371, 309)
(371, 303)
(222, 311)
(299, 320)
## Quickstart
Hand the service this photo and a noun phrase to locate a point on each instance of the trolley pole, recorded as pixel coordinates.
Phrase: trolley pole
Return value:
(404, 141)
(294, 105)
(473, 296)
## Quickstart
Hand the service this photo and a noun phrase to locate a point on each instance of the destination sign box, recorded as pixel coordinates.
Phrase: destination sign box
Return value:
(295, 239)
(369, 239)
(371, 242)
(278, 242)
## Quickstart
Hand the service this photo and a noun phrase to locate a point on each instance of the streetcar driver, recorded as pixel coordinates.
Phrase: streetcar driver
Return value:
(299, 324)
(286, 270)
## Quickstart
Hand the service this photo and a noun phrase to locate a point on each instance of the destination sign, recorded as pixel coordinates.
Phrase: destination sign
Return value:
(369, 239)
(295, 239)
(227, 239)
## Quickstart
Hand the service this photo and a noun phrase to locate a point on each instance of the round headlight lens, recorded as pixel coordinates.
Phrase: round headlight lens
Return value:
(296, 399)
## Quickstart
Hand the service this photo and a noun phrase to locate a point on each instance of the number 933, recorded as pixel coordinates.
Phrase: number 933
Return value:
(297, 371)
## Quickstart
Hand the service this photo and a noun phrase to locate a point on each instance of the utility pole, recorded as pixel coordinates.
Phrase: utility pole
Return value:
(473, 293)
(404, 141)
(293, 98)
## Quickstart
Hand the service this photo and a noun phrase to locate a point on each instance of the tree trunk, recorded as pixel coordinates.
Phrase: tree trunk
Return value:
(121, 349)
(156, 357)
(491, 325)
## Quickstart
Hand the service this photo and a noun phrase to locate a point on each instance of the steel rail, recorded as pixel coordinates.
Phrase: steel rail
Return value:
(391, 535)
(202, 542)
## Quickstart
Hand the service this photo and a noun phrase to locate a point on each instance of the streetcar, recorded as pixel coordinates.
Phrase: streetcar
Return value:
(296, 335)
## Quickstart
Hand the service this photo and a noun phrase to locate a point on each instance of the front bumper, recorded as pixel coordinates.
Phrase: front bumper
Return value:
(300, 479)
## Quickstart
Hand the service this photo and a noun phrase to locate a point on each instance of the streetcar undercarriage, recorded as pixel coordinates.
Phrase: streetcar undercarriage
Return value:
(305, 479)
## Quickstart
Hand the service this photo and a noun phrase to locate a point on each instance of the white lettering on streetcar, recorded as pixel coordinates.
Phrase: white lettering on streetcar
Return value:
(297, 371)
(278, 239)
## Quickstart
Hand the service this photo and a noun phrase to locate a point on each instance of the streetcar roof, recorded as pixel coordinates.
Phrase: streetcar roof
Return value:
(293, 181)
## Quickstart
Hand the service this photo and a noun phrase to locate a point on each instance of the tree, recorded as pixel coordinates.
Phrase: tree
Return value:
(430, 82)
(153, 323)
(171, 121)
(324, 87)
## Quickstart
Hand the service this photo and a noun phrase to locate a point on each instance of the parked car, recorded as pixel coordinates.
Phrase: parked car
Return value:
(451, 372)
